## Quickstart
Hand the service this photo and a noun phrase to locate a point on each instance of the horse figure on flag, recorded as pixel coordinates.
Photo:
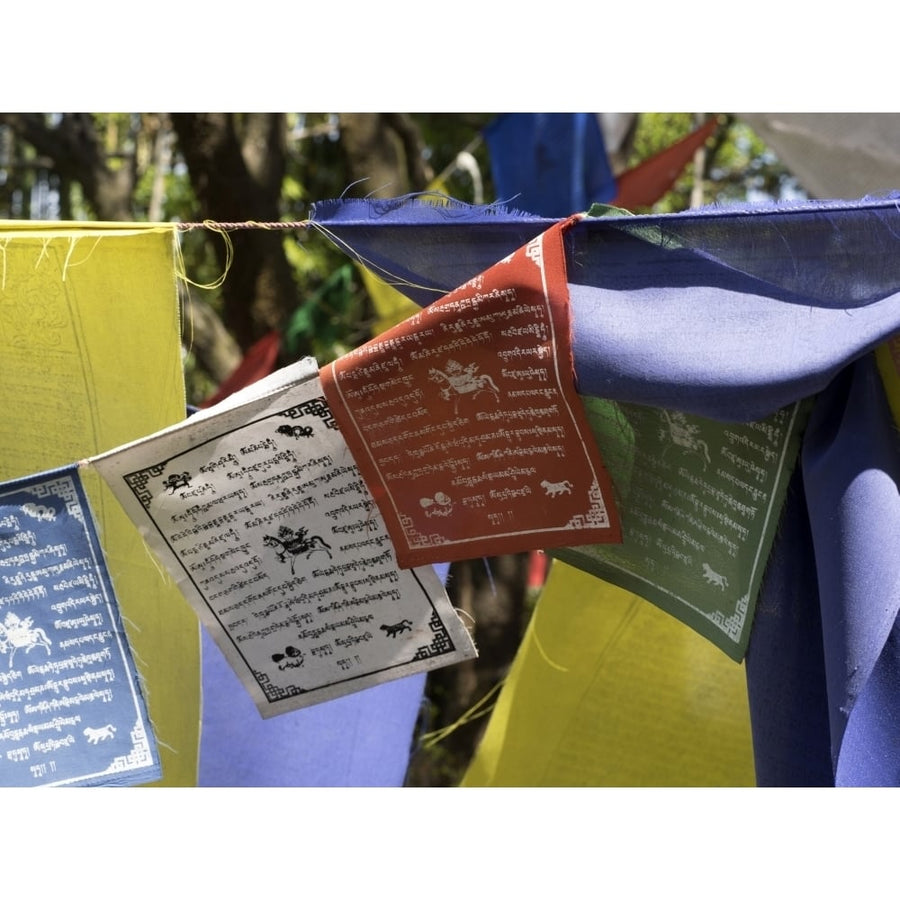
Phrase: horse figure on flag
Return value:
(459, 381)
(18, 634)
(291, 544)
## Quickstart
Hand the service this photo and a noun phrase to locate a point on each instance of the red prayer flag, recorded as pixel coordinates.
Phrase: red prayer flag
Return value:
(259, 361)
(648, 182)
(465, 422)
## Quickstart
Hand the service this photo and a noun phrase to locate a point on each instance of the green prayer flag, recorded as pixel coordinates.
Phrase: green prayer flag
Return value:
(700, 502)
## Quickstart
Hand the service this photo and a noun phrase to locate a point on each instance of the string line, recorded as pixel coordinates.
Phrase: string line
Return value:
(223, 228)
(238, 226)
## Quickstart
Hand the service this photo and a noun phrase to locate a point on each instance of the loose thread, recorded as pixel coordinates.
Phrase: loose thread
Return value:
(69, 263)
(474, 712)
(130, 623)
(45, 243)
(385, 275)
(490, 575)
(221, 229)
(544, 655)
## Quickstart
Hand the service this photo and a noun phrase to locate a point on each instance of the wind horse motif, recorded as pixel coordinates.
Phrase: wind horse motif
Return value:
(459, 381)
(291, 544)
(682, 433)
(18, 634)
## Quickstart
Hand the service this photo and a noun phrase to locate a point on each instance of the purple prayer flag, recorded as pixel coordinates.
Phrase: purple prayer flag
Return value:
(361, 740)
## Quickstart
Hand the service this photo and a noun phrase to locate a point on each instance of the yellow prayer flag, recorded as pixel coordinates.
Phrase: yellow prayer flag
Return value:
(608, 690)
(91, 359)
(391, 307)
(887, 357)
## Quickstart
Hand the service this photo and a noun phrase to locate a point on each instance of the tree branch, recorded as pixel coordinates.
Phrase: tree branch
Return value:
(77, 155)
(418, 172)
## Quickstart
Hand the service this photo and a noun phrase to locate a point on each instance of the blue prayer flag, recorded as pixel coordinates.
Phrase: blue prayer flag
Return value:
(551, 164)
(71, 709)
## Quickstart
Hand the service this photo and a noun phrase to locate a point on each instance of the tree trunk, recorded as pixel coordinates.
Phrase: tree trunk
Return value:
(203, 333)
(237, 164)
(383, 153)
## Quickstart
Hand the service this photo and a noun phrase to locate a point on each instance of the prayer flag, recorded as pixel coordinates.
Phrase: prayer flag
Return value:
(391, 307)
(71, 708)
(309, 747)
(608, 691)
(91, 359)
(700, 503)
(465, 423)
(260, 516)
(360, 740)
(650, 180)
(260, 360)
(551, 164)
